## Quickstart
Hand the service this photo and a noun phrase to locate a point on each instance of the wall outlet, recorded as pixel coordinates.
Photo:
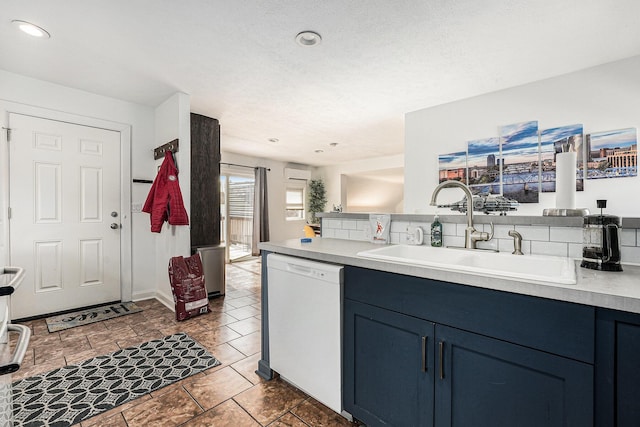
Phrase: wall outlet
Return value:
(136, 207)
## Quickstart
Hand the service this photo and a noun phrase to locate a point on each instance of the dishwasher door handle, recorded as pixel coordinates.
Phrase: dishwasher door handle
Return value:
(295, 268)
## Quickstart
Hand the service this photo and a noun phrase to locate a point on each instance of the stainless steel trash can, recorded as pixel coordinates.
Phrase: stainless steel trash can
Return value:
(214, 269)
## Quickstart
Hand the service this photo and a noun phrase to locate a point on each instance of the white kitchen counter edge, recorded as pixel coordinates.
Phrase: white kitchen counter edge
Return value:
(616, 290)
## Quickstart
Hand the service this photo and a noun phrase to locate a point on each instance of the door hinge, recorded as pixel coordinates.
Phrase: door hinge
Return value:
(8, 133)
(8, 213)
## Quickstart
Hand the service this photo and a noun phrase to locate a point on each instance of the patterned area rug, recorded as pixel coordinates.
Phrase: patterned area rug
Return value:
(90, 315)
(74, 393)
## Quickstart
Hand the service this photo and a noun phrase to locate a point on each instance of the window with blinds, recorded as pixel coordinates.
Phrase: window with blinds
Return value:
(294, 200)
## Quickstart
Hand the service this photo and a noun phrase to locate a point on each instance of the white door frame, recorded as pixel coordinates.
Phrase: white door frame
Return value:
(7, 107)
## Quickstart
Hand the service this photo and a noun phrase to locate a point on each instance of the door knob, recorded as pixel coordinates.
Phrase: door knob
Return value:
(114, 214)
(114, 226)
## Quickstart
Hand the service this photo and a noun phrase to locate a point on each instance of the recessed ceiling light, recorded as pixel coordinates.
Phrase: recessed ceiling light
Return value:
(31, 29)
(273, 140)
(308, 38)
(318, 151)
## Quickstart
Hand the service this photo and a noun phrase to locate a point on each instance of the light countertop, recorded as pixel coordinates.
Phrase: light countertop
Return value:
(616, 290)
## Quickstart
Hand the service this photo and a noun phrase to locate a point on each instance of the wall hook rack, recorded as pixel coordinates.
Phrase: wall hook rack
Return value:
(172, 146)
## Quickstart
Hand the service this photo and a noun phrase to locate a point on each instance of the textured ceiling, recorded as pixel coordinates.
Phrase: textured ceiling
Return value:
(378, 60)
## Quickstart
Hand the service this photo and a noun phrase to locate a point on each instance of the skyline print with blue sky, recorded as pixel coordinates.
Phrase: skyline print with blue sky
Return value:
(549, 141)
(620, 138)
(452, 162)
(519, 148)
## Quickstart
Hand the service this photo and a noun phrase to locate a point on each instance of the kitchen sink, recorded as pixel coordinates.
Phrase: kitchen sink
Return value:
(527, 268)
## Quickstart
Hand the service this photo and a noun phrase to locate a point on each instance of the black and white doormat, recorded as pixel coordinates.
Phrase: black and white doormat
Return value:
(74, 393)
(90, 315)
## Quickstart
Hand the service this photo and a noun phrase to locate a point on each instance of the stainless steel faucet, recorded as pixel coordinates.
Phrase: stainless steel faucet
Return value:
(471, 235)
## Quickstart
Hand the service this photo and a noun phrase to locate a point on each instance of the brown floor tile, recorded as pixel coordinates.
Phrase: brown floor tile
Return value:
(246, 326)
(176, 385)
(76, 359)
(243, 301)
(227, 414)
(244, 312)
(108, 337)
(270, 400)
(248, 344)
(78, 331)
(112, 415)
(213, 389)
(170, 409)
(288, 420)
(315, 414)
(247, 368)
(215, 337)
(139, 339)
(226, 354)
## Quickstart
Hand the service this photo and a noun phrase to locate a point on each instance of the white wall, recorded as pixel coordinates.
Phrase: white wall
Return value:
(173, 121)
(279, 227)
(372, 195)
(59, 99)
(336, 184)
(602, 98)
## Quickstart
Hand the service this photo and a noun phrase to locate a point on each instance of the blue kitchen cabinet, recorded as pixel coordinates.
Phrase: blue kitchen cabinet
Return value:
(618, 369)
(479, 370)
(487, 382)
(388, 367)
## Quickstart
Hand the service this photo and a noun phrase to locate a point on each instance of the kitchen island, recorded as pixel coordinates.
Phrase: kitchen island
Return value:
(423, 346)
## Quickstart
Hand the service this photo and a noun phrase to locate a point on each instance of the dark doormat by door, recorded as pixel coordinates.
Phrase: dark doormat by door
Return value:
(90, 315)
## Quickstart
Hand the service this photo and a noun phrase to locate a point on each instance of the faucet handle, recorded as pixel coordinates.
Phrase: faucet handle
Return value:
(491, 234)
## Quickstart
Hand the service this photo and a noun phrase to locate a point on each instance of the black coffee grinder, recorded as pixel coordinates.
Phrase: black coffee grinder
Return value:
(601, 241)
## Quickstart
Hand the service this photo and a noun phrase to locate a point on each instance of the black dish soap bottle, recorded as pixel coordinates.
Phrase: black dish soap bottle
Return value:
(436, 232)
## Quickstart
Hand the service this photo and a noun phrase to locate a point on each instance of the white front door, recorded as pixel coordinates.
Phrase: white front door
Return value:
(64, 196)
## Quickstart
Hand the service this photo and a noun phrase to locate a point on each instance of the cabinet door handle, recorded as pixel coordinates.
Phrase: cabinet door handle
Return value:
(424, 354)
(441, 357)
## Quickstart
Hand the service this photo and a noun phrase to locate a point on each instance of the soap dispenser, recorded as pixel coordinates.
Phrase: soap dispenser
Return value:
(436, 232)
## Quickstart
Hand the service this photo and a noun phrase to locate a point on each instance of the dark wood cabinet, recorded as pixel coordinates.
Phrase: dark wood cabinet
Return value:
(434, 354)
(205, 181)
(389, 367)
(617, 369)
(487, 382)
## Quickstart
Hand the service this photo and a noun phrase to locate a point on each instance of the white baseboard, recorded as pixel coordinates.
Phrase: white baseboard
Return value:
(166, 300)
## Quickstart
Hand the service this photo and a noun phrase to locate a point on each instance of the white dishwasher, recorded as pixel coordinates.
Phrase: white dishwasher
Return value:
(305, 326)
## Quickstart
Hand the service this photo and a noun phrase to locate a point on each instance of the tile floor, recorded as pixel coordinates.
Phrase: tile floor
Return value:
(228, 395)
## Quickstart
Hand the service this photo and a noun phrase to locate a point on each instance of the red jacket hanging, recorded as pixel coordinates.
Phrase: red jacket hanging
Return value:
(164, 201)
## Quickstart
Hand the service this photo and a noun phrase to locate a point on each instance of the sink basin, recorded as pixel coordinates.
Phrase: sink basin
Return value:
(527, 268)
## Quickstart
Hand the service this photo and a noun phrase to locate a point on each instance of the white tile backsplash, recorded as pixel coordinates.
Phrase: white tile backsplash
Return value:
(499, 231)
(536, 239)
(628, 237)
(630, 255)
(349, 224)
(549, 248)
(533, 232)
(565, 234)
(448, 229)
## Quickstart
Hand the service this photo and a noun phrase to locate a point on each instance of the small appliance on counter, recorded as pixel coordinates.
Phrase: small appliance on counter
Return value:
(601, 241)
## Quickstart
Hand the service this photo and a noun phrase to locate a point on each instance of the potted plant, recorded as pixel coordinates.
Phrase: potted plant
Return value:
(317, 199)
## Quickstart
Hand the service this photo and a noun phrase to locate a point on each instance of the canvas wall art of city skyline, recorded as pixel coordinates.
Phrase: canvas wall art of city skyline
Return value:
(554, 141)
(612, 154)
(519, 144)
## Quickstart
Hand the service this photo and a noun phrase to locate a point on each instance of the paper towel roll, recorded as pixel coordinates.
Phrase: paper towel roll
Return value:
(566, 180)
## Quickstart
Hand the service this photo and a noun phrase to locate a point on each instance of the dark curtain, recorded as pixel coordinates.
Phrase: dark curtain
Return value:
(260, 210)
